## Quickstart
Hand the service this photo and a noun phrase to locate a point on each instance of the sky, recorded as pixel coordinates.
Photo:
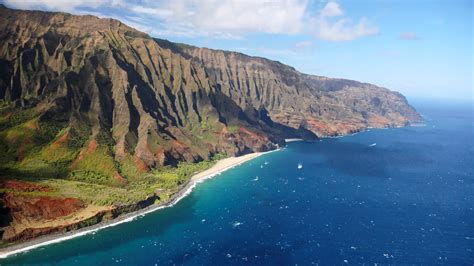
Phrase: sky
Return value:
(420, 48)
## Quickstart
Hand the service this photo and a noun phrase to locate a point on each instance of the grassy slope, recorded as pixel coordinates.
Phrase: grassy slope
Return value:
(76, 166)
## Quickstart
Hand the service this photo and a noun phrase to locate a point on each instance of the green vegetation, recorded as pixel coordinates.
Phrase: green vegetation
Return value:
(166, 180)
(30, 193)
(233, 129)
(96, 166)
(171, 177)
(31, 148)
(105, 138)
(46, 132)
(73, 164)
(204, 131)
(79, 136)
(10, 116)
(129, 169)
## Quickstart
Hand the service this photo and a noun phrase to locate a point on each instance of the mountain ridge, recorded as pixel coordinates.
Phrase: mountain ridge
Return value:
(315, 86)
(91, 105)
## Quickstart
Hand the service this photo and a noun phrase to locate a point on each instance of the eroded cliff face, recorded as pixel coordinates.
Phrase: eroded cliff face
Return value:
(93, 101)
(102, 76)
(325, 106)
(163, 102)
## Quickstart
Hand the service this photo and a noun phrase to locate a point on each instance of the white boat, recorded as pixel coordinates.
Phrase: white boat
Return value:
(373, 144)
(300, 166)
(236, 224)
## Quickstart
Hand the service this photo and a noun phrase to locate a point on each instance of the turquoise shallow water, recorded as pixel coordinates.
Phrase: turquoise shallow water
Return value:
(407, 199)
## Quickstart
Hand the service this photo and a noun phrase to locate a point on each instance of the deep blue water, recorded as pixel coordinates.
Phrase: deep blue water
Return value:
(409, 199)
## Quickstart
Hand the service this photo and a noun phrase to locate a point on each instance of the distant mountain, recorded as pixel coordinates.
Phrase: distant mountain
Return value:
(325, 106)
(90, 109)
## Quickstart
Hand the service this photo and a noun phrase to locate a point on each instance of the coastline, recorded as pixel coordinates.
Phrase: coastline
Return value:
(220, 167)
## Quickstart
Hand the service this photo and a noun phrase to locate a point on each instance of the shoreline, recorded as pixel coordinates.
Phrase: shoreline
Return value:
(220, 167)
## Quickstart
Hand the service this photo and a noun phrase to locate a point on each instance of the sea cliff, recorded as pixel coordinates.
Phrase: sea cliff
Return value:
(98, 119)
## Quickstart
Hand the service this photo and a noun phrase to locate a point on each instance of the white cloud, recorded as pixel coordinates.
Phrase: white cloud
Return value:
(221, 18)
(152, 11)
(331, 9)
(237, 16)
(408, 36)
(68, 5)
(332, 25)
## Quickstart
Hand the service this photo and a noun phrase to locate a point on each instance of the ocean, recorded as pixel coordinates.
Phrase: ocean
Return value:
(389, 196)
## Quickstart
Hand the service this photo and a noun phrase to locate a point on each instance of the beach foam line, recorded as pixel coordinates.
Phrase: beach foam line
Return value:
(133, 216)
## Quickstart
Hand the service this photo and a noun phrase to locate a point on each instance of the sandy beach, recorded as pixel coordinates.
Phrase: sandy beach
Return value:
(223, 165)
(218, 168)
